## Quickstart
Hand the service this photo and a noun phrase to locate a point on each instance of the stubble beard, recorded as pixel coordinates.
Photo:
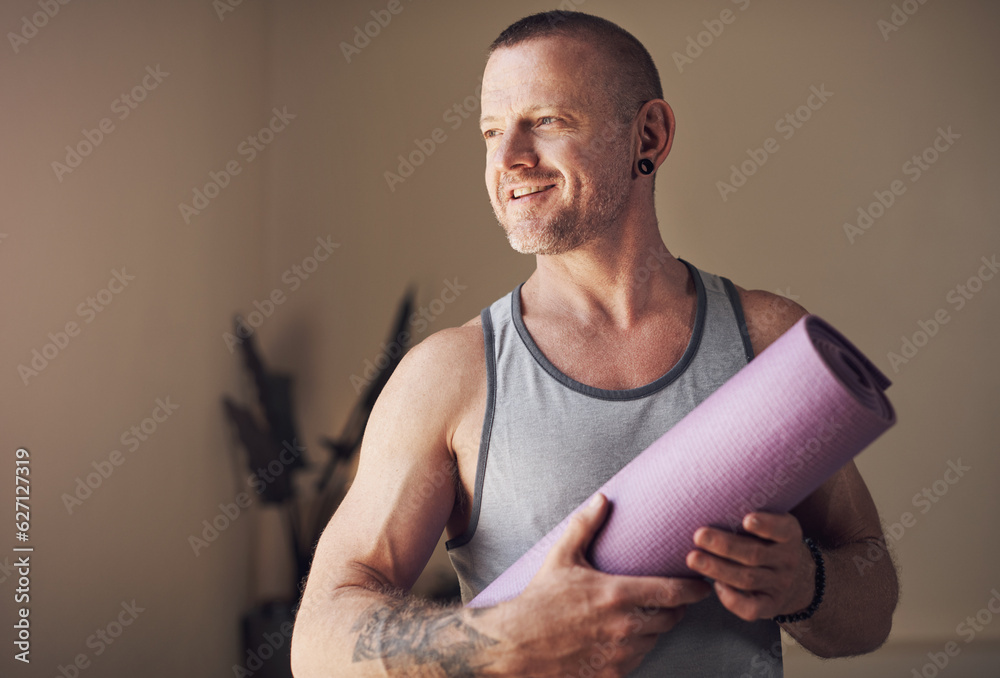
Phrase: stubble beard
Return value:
(561, 229)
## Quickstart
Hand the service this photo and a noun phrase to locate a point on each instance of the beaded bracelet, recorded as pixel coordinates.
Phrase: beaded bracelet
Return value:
(820, 589)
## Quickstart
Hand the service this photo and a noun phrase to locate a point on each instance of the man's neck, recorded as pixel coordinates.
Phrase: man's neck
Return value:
(619, 278)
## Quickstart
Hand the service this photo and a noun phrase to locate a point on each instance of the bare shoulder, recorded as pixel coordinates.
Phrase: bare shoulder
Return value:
(444, 362)
(768, 316)
(437, 381)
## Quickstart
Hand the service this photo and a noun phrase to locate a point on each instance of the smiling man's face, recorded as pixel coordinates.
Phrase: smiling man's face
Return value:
(558, 162)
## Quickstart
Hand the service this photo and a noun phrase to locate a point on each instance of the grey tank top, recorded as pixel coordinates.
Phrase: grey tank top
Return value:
(549, 442)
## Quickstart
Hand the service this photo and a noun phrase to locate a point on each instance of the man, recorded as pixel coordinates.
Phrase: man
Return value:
(497, 429)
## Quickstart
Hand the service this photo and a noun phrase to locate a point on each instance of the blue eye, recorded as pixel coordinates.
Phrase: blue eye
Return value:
(550, 118)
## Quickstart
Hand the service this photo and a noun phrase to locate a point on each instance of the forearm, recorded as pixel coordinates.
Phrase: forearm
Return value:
(856, 613)
(364, 632)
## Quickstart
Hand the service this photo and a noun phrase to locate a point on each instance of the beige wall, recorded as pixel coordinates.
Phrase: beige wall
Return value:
(324, 175)
(160, 337)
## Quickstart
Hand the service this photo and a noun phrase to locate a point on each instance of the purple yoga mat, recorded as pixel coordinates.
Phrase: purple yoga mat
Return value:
(764, 440)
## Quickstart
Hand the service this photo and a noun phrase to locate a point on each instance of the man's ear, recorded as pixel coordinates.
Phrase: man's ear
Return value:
(655, 123)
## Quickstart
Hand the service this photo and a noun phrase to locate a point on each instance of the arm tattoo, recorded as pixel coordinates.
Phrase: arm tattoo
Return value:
(408, 632)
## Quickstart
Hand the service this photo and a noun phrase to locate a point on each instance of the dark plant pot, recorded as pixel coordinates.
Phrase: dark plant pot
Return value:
(267, 641)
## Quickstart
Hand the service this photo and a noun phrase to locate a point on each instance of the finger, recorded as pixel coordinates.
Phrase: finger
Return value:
(573, 542)
(661, 592)
(778, 527)
(746, 606)
(743, 549)
(728, 572)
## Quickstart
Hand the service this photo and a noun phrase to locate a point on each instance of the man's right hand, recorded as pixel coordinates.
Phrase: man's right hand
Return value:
(572, 616)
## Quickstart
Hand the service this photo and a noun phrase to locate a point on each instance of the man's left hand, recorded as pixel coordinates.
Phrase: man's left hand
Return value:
(759, 575)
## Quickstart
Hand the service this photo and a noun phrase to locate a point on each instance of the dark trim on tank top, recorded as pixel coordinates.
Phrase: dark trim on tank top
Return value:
(484, 441)
(734, 301)
(614, 394)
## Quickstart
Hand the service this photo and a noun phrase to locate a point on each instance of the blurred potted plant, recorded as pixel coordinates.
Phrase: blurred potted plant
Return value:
(292, 512)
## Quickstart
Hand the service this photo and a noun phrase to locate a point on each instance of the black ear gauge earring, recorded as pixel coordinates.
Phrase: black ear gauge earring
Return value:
(645, 166)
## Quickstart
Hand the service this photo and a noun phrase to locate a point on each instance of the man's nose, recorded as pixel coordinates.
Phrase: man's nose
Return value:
(516, 149)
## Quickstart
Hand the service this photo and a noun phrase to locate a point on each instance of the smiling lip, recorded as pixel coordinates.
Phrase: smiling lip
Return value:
(522, 191)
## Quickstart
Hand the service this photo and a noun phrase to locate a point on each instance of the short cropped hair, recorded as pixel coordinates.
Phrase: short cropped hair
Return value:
(636, 78)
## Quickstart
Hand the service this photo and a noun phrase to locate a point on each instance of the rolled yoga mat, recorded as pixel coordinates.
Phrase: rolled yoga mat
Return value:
(763, 441)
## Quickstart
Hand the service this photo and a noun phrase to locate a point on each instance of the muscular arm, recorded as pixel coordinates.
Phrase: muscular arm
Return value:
(855, 616)
(355, 618)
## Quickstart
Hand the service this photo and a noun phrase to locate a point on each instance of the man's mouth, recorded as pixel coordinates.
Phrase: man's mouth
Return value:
(528, 190)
